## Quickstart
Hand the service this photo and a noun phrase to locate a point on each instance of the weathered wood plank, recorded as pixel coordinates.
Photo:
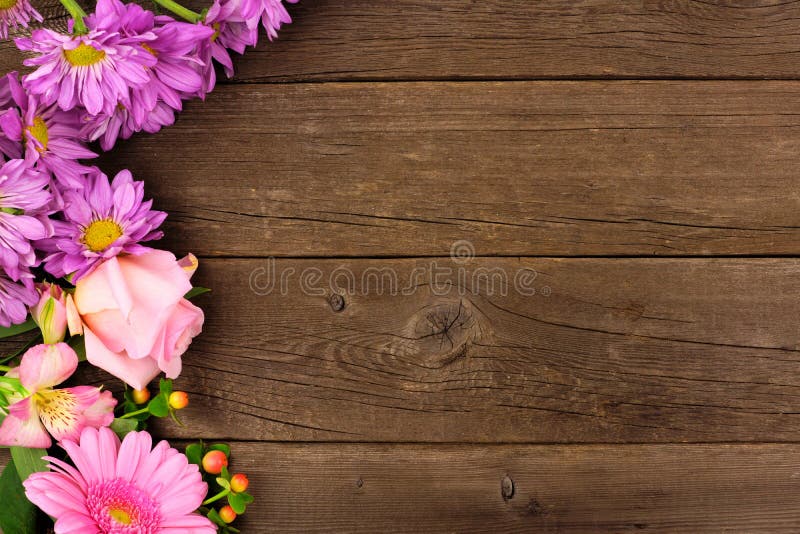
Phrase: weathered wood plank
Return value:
(455, 488)
(605, 351)
(373, 488)
(541, 168)
(520, 39)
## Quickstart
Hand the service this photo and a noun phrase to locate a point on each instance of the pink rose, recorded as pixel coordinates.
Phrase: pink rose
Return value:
(133, 315)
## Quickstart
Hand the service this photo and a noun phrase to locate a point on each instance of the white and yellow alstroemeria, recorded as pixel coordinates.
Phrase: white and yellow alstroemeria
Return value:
(36, 408)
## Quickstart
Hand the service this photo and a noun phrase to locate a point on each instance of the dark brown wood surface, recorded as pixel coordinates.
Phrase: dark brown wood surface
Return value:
(630, 168)
(516, 168)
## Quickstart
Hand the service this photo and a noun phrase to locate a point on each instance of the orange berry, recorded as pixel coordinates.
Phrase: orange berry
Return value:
(214, 461)
(227, 514)
(239, 483)
(140, 396)
(178, 400)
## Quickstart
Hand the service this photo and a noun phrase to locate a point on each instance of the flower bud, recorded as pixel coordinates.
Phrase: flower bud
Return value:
(178, 400)
(214, 461)
(140, 396)
(239, 483)
(50, 313)
(227, 514)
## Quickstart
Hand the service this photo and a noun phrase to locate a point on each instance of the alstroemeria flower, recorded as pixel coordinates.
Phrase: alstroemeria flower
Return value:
(64, 413)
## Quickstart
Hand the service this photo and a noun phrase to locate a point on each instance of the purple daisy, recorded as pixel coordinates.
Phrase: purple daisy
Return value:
(122, 124)
(271, 13)
(230, 31)
(95, 70)
(16, 13)
(174, 46)
(15, 298)
(8, 149)
(49, 134)
(101, 221)
(24, 202)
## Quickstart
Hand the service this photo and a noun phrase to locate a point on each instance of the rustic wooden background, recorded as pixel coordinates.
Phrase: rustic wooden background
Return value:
(640, 158)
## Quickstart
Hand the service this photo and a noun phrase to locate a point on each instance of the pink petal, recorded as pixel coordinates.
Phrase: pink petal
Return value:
(45, 366)
(135, 373)
(22, 428)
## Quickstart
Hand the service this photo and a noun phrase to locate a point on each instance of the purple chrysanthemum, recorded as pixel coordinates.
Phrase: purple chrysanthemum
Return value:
(122, 124)
(24, 200)
(16, 13)
(95, 70)
(8, 149)
(15, 298)
(101, 221)
(49, 134)
(271, 13)
(230, 32)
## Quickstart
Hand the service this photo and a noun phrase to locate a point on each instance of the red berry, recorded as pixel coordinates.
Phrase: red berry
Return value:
(239, 483)
(140, 396)
(178, 400)
(214, 461)
(227, 514)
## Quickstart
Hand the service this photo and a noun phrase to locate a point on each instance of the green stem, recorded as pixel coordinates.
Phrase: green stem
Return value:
(134, 414)
(182, 12)
(78, 14)
(217, 497)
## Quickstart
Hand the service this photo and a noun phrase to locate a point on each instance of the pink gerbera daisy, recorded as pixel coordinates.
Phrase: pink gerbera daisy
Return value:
(121, 488)
(101, 221)
(16, 13)
(95, 70)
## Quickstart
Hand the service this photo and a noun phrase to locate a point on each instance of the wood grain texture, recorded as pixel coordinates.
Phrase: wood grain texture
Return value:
(522, 39)
(391, 488)
(518, 39)
(516, 168)
(623, 350)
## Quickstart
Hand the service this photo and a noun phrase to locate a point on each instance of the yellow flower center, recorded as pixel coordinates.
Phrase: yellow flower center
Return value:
(7, 4)
(120, 516)
(84, 55)
(38, 131)
(100, 234)
(216, 31)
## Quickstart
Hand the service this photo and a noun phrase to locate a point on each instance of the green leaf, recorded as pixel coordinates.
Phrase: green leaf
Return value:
(158, 406)
(165, 387)
(224, 484)
(17, 513)
(79, 346)
(28, 461)
(195, 292)
(237, 503)
(215, 518)
(247, 497)
(225, 473)
(194, 453)
(17, 329)
(221, 447)
(122, 427)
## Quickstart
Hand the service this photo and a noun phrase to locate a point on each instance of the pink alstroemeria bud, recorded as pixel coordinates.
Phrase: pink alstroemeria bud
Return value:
(50, 313)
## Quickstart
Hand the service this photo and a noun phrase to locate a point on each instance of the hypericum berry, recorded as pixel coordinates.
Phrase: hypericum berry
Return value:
(178, 400)
(227, 514)
(140, 396)
(214, 461)
(239, 483)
